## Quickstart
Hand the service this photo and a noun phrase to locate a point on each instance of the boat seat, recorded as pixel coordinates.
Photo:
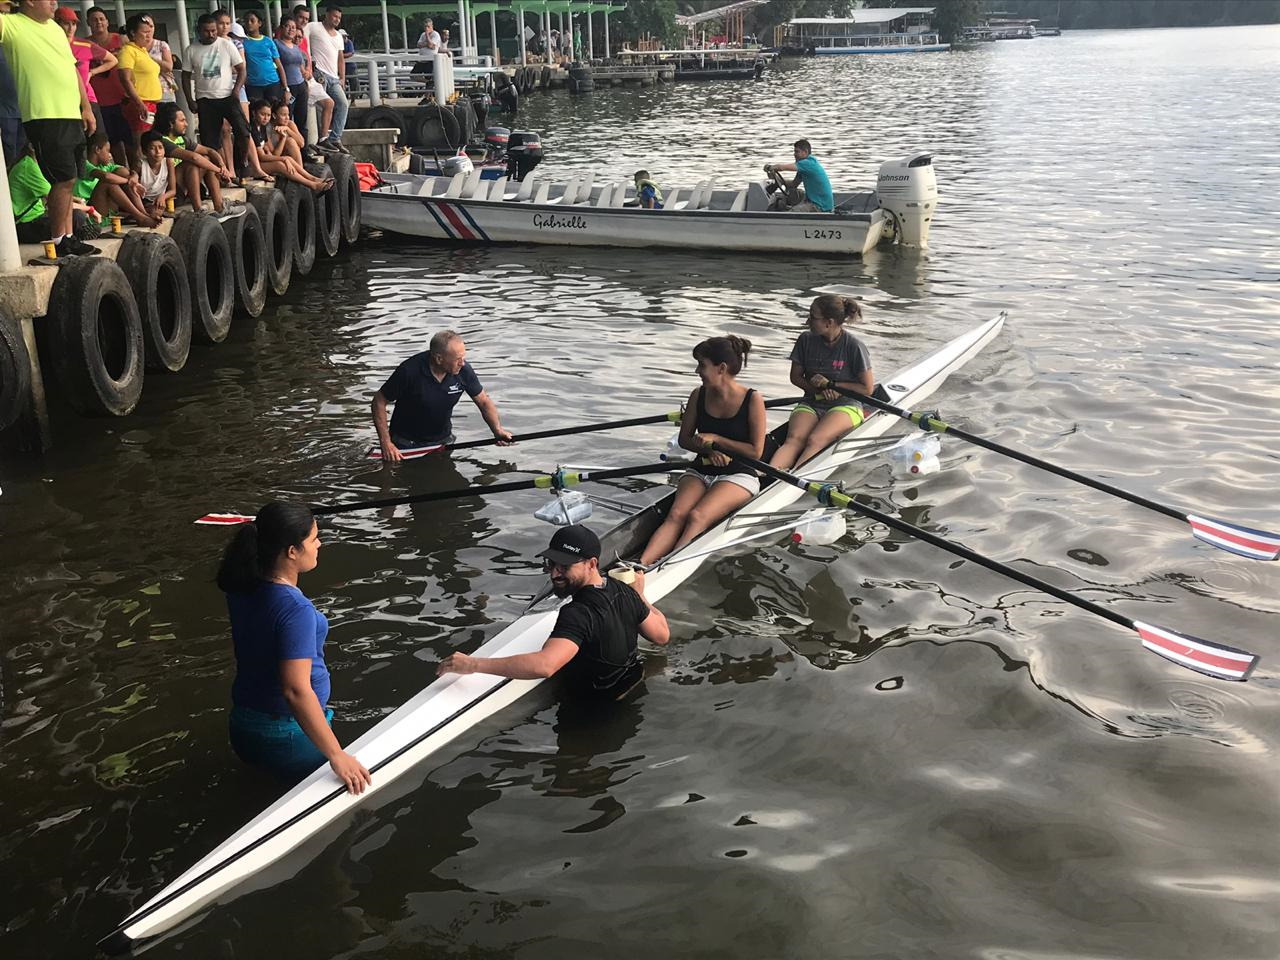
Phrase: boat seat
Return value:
(498, 191)
(570, 191)
(427, 187)
(455, 185)
(757, 196)
(611, 195)
(670, 199)
(472, 185)
(584, 188)
(697, 199)
(525, 190)
(739, 202)
(543, 191)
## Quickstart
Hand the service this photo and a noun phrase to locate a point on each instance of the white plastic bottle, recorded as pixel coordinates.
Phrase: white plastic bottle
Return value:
(674, 451)
(569, 507)
(819, 527)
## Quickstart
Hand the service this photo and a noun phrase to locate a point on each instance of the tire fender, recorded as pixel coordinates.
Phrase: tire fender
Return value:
(157, 273)
(248, 261)
(209, 275)
(302, 222)
(347, 190)
(277, 236)
(328, 212)
(15, 371)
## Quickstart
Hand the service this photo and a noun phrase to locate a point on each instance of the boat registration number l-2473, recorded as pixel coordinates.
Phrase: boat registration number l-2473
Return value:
(818, 233)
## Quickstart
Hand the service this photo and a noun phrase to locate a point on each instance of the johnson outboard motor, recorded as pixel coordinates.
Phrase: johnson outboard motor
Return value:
(524, 152)
(908, 193)
(495, 141)
(455, 165)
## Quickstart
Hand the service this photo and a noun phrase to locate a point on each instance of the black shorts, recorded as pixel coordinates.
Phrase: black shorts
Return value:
(114, 125)
(273, 93)
(59, 148)
(212, 113)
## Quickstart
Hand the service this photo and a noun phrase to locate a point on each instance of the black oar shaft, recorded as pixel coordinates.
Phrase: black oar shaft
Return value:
(934, 425)
(545, 482)
(840, 499)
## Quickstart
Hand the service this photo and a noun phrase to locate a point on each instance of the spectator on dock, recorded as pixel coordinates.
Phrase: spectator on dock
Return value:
(648, 194)
(140, 78)
(91, 59)
(271, 154)
(29, 194)
(159, 182)
(444, 43)
(162, 55)
(297, 71)
(213, 77)
(55, 109)
(266, 77)
(194, 164)
(329, 65)
(11, 132)
(428, 40)
(112, 189)
(106, 85)
(810, 175)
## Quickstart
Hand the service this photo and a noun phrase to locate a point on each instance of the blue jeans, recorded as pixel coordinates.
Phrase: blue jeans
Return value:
(274, 741)
(333, 87)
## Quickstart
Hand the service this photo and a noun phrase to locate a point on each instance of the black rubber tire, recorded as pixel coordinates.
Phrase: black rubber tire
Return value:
(248, 261)
(95, 337)
(210, 275)
(15, 371)
(347, 191)
(546, 78)
(434, 125)
(157, 273)
(385, 118)
(302, 222)
(328, 213)
(277, 237)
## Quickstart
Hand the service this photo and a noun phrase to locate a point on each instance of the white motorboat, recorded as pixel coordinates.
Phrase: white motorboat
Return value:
(453, 704)
(583, 211)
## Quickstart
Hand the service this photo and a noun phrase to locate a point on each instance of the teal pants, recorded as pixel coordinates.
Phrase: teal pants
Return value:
(274, 741)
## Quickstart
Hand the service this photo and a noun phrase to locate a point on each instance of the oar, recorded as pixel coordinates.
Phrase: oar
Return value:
(557, 480)
(1245, 541)
(1204, 656)
(411, 453)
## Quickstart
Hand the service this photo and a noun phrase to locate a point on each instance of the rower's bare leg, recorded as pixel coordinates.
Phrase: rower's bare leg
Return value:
(799, 427)
(829, 429)
(688, 493)
(721, 499)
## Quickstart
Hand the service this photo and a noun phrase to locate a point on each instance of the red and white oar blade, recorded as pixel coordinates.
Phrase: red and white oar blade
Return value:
(409, 453)
(224, 519)
(1213, 659)
(1258, 544)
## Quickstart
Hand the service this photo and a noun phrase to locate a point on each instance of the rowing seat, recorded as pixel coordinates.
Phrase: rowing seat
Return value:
(455, 185)
(543, 191)
(526, 188)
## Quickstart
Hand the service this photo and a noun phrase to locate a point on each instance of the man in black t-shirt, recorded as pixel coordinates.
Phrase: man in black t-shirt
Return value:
(425, 388)
(594, 637)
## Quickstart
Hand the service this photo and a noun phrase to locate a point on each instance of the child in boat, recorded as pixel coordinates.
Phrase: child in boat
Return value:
(273, 163)
(826, 355)
(108, 187)
(724, 412)
(648, 195)
(159, 182)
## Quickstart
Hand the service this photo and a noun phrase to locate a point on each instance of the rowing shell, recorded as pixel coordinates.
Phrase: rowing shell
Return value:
(452, 704)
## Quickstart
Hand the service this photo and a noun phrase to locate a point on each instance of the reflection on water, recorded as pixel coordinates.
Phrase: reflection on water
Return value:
(865, 750)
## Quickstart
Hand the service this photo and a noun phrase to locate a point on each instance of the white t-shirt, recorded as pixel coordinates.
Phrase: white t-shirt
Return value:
(429, 44)
(326, 50)
(212, 67)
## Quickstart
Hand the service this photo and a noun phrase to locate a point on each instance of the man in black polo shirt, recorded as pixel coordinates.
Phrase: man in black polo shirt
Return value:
(425, 388)
(594, 638)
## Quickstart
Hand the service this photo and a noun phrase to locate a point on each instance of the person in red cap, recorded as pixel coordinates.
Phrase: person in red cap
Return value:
(595, 636)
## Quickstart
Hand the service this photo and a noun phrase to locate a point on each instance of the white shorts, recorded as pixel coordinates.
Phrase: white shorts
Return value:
(747, 481)
(315, 92)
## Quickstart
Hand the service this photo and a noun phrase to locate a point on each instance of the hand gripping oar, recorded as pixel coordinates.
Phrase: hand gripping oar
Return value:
(1203, 656)
(1245, 541)
(557, 480)
(411, 453)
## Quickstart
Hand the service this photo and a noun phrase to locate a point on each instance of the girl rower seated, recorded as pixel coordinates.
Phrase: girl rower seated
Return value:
(826, 355)
(724, 412)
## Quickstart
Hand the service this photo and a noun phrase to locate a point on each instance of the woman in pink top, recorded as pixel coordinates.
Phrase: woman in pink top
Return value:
(106, 85)
(91, 59)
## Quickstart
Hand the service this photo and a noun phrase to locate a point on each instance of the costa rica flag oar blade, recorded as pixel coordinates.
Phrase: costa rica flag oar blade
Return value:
(1203, 656)
(223, 519)
(1258, 544)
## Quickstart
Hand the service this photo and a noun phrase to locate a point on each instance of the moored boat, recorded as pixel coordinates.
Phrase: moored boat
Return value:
(582, 212)
(451, 705)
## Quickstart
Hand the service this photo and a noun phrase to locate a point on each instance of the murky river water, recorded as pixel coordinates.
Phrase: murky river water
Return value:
(867, 750)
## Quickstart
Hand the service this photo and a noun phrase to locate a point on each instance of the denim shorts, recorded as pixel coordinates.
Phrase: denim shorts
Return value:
(274, 741)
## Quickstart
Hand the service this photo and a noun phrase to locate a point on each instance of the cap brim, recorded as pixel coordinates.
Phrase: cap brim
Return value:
(562, 557)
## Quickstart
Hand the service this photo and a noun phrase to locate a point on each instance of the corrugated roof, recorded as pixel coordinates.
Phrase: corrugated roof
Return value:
(869, 15)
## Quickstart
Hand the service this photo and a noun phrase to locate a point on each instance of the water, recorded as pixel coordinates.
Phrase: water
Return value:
(864, 750)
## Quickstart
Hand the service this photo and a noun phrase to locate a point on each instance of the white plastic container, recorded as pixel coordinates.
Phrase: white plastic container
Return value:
(674, 451)
(569, 507)
(915, 455)
(623, 575)
(819, 527)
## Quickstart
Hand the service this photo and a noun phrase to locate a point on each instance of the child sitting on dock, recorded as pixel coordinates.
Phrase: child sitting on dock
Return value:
(159, 182)
(194, 164)
(648, 195)
(286, 139)
(110, 188)
(277, 164)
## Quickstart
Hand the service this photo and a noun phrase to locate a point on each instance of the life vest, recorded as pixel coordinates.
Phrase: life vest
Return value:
(368, 175)
(657, 191)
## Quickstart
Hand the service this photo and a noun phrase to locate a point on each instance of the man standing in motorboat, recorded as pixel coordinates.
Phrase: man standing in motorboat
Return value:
(594, 640)
(810, 175)
(425, 389)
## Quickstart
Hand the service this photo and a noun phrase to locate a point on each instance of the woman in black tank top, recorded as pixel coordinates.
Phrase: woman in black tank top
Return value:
(724, 412)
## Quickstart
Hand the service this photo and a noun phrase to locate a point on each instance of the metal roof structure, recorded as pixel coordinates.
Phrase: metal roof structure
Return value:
(692, 19)
(869, 15)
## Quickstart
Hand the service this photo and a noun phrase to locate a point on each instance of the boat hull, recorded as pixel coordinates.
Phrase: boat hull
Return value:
(910, 48)
(449, 706)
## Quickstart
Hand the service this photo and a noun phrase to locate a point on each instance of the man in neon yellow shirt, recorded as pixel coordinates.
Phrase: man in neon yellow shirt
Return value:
(55, 109)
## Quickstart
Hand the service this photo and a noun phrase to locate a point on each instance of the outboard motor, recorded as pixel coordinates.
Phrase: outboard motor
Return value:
(496, 139)
(455, 165)
(524, 152)
(908, 193)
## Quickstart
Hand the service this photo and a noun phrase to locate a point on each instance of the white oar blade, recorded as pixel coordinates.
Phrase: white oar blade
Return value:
(1257, 544)
(223, 519)
(1194, 653)
(409, 453)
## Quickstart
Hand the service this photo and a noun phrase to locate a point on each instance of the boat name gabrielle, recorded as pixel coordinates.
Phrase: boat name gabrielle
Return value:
(552, 222)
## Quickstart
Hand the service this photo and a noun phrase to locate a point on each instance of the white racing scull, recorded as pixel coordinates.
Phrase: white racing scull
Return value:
(452, 704)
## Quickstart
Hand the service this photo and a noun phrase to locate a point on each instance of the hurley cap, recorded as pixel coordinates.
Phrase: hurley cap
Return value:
(66, 15)
(572, 544)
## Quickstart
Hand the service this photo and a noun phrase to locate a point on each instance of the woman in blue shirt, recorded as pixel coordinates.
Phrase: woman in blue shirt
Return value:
(279, 717)
(297, 70)
(265, 79)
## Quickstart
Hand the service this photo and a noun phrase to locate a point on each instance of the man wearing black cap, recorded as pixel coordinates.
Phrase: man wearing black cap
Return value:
(594, 638)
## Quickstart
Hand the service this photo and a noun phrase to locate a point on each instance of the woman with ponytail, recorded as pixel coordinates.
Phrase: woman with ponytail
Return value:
(279, 717)
(824, 355)
(724, 412)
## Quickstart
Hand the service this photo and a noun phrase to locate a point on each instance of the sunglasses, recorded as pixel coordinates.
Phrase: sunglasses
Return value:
(549, 565)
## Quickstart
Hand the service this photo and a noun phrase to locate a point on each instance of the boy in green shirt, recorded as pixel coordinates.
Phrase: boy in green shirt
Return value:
(106, 189)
